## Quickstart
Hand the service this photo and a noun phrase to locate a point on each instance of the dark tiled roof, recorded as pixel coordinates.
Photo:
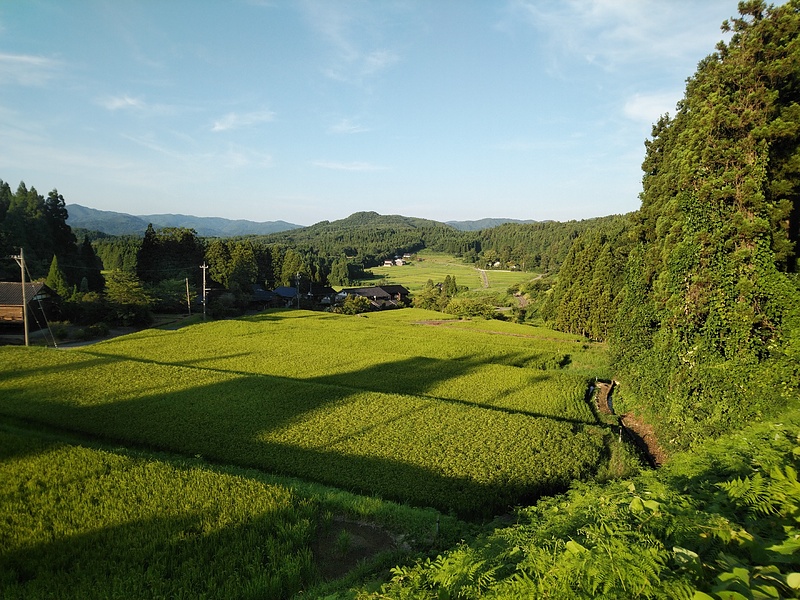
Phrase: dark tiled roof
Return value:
(262, 295)
(395, 289)
(11, 292)
(378, 291)
(286, 291)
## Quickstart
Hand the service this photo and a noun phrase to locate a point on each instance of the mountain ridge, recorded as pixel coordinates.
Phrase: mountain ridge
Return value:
(117, 223)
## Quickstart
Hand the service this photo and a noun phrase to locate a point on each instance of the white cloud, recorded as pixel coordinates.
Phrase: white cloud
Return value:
(350, 33)
(233, 157)
(347, 126)
(378, 60)
(347, 166)
(648, 108)
(238, 120)
(616, 33)
(122, 102)
(27, 69)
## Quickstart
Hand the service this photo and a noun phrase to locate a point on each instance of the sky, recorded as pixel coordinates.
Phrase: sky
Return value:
(311, 110)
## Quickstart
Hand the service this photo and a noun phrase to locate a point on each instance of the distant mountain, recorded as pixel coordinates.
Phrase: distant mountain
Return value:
(483, 224)
(376, 221)
(114, 223)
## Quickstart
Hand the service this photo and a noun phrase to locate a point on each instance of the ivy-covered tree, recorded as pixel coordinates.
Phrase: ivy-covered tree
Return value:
(716, 234)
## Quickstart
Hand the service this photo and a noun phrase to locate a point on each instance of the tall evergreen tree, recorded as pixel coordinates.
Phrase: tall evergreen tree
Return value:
(92, 267)
(715, 232)
(56, 280)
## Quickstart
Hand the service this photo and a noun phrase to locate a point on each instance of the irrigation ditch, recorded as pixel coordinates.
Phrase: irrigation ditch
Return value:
(634, 429)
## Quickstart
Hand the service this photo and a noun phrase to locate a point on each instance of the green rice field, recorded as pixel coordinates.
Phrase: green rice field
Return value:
(79, 522)
(469, 417)
(436, 266)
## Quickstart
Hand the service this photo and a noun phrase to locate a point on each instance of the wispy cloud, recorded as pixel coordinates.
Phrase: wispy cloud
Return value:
(349, 33)
(121, 102)
(347, 126)
(347, 166)
(238, 120)
(128, 103)
(232, 157)
(647, 108)
(616, 33)
(27, 69)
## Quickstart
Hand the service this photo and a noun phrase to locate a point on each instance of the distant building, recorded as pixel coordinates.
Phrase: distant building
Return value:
(41, 300)
(261, 298)
(381, 296)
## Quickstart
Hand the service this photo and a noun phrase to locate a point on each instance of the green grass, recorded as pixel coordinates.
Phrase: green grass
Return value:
(79, 519)
(470, 417)
(436, 267)
(80, 522)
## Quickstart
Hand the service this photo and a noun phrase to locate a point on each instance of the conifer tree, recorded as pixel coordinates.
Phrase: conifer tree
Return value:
(56, 280)
(715, 231)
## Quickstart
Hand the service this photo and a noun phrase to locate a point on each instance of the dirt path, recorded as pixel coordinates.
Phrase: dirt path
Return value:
(642, 434)
(484, 278)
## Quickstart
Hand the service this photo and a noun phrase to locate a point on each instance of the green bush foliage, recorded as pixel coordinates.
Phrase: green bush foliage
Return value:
(721, 523)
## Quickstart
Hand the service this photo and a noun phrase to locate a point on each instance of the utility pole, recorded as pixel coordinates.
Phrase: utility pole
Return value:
(298, 290)
(20, 258)
(188, 297)
(204, 266)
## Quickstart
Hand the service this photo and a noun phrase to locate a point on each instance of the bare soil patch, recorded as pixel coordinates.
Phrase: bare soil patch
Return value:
(603, 393)
(339, 547)
(645, 437)
(642, 434)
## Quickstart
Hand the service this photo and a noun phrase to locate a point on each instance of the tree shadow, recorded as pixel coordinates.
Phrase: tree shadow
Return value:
(338, 429)
(163, 557)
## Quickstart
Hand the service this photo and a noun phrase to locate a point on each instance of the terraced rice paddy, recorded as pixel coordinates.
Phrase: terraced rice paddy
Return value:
(470, 417)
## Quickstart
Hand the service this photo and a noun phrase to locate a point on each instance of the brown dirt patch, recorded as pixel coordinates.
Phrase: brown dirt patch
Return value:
(646, 438)
(340, 546)
(642, 434)
(603, 392)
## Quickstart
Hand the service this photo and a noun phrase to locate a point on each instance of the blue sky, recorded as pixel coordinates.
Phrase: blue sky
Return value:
(311, 110)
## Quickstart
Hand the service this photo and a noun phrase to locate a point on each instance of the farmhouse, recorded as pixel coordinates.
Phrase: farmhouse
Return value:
(381, 296)
(322, 294)
(286, 294)
(40, 299)
(261, 298)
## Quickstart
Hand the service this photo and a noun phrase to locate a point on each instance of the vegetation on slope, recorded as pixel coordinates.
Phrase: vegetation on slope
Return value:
(721, 522)
(708, 334)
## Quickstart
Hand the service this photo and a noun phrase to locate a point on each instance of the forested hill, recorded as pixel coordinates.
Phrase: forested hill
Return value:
(483, 223)
(115, 223)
